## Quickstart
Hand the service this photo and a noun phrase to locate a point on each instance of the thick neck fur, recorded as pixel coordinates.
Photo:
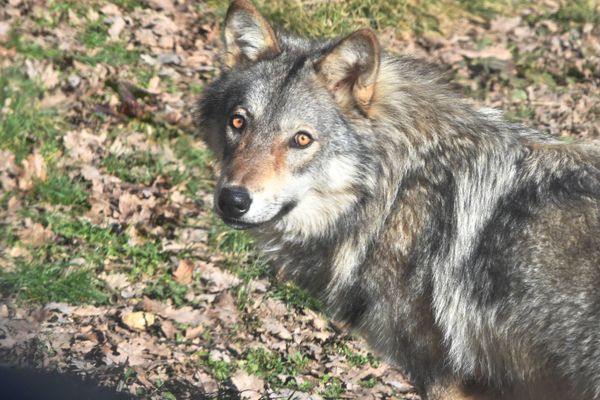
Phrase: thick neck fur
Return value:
(409, 131)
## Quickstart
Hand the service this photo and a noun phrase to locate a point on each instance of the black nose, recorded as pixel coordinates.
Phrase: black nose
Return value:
(234, 201)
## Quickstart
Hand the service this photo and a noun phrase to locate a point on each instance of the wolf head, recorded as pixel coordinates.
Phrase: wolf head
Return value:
(284, 120)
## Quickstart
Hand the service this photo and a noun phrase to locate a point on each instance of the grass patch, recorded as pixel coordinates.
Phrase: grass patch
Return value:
(127, 5)
(167, 288)
(55, 281)
(96, 244)
(141, 167)
(294, 295)
(115, 54)
(59, 189)
(328, 18)
(578, 12)
(333, 387)
(23, 125)
(271, 365)
(33, 50)
(220, 369)
(356, 359)
(95, 34)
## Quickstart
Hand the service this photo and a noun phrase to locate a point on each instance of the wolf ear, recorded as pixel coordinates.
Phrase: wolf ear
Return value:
(248, 35)
(350, 69)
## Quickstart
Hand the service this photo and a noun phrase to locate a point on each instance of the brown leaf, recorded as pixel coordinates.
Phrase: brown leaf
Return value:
(34, 168)
(194, 332)
(118, 23)
(250, 386)
(225, 309)
(4, 31)
(128, 205)
(8, 170)
(138, 320)
(134, 352)
(168, 329)
(217, 278)
(110, 9)
(183, 315)
(498, 52)
(165, 5)
(184, 271)
(116, 282)
(276, 328)
(35, 235)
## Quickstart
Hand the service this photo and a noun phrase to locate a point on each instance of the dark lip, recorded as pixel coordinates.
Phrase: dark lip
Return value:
(241, 225)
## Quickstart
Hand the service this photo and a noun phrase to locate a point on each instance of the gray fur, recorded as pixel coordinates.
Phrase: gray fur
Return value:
(465, 248)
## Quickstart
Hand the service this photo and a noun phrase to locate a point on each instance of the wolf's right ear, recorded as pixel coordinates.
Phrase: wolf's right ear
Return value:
(248, 35)
(351, 68)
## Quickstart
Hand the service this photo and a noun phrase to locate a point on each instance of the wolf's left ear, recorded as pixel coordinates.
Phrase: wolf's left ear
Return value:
(350, 69)
(248, 35)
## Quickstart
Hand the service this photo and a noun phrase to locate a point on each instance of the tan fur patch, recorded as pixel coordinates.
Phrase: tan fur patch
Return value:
(256, 170)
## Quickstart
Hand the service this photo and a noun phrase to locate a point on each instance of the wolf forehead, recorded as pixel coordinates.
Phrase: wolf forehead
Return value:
(276, 88)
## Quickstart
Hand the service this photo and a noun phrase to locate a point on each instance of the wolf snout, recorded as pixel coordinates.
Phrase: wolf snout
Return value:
(234, 201)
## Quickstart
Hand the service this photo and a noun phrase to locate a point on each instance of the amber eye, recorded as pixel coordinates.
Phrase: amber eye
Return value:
(238, 122)
(302, 140)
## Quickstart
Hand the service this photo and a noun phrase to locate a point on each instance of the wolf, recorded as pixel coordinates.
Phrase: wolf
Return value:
(464, 248)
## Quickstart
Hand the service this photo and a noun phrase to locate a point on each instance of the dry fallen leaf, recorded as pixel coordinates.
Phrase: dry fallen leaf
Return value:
(116, 282)
(36, 235)
(183, 273)
(250, 386)
(168, 329)
(194, 332)
(184, 315)
(138, 320)
(34, 168)
(217, 278)
(118, 23)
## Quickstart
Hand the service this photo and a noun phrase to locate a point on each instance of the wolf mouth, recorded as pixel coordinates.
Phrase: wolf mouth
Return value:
(241, 225)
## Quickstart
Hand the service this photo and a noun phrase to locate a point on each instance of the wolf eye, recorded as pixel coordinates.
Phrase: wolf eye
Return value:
(302, 140)
(237, 122)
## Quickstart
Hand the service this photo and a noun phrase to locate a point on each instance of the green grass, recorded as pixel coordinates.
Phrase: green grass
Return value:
(59, 189)
(97, 244)
(270, 365)
(33, 50)
(78, 239)
(333, 387)
(578, 12)
(115, 54)
(95, 34)
(356, 359)
(165, 287)
(44, 282)
(242, 259)
(94, 38)
(327, 18)
(221, 370)
(24, 126)
(141, 167)
(128, 5)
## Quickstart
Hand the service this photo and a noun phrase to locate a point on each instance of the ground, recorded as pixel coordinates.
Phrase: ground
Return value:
(112, 265)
